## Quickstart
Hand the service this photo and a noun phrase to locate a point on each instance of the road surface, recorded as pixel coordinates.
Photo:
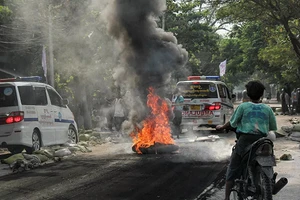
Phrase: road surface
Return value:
(113, 172)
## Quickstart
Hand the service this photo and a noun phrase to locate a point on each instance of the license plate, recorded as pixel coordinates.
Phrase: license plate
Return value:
(198, 114)
(195, 107)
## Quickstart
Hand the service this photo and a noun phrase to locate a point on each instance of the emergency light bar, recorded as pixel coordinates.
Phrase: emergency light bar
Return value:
(215, 78)
(26, 79)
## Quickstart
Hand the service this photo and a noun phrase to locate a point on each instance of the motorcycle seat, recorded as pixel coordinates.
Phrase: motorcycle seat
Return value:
(255, 145)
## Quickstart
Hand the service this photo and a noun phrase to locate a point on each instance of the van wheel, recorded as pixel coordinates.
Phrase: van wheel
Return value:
(15, 150)
(36, 142)
(72, 135)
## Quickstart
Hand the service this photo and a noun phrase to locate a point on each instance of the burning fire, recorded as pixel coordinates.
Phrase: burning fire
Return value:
(156, 127)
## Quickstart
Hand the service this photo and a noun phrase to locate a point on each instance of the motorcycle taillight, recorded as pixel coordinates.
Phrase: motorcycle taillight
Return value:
(264, 150)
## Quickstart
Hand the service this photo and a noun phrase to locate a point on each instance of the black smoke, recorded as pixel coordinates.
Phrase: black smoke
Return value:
(147, 54)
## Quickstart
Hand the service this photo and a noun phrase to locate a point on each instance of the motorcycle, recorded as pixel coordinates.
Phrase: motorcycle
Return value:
(258, 180)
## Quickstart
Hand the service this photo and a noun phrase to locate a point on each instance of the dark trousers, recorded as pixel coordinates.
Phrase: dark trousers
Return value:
(177, 122)
(285, 108)
(109, 118)
(294, 107)
(118, 122)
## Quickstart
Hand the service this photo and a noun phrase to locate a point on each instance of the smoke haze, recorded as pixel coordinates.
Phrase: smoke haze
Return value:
(105, 38)
(147, 54)
(217, 151)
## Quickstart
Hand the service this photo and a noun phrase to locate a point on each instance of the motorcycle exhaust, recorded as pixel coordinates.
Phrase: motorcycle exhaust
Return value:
(279, 185)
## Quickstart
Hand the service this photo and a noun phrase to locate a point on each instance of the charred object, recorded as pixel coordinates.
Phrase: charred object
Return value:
(156, 148)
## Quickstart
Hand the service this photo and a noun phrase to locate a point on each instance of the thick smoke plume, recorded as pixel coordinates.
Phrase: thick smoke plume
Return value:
(147, 54)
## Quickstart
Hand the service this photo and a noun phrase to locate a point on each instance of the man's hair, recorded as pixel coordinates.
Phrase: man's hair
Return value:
(255, 89)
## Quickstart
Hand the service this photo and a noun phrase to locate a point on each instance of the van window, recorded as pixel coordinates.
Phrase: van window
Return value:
(227, 92)
(8, 96)
(223, 91)
(55, 98)
(26, 95)
(32, 95)
(198, 90)
(40, 96)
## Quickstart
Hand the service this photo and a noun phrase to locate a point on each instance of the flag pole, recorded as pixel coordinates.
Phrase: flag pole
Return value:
(44, 63)
(51, 67)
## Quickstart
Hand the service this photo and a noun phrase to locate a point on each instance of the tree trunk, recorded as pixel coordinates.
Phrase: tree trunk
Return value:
(295, 42)
(84, 113)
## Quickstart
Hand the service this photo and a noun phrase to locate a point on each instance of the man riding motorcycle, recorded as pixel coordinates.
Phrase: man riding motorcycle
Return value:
(252, 121)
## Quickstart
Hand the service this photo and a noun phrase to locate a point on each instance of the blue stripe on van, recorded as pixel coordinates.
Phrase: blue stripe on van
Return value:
(64, 121)
(56, 120)
(30, 119)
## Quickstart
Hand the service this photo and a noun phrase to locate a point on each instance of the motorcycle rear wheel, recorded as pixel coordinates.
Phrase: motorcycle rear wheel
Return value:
(263, 185)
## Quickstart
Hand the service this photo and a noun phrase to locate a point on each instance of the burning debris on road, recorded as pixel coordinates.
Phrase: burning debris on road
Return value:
(156, 131)
(156, 148)
(147, 57)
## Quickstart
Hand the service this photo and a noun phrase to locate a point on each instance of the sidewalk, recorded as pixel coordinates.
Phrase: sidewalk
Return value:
(288, 168)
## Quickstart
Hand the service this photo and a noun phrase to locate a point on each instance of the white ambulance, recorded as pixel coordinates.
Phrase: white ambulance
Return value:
(207, 102)
(33, 114)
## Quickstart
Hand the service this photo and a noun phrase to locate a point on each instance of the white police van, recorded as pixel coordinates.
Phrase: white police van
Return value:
(33, 114)
(207, 102)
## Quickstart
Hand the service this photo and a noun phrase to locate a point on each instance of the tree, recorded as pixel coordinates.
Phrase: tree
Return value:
(82, 50)
(281, 57)
(273, 15)
(190, 22)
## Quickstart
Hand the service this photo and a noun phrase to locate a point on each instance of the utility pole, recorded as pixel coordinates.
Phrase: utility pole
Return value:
(51, 74)
(163, 21)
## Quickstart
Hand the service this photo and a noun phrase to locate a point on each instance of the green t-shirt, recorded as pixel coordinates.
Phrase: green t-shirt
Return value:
(253, 118)
(178, 100)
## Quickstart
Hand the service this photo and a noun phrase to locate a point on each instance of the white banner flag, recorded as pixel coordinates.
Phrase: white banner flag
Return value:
(44, 62)
(222, 67)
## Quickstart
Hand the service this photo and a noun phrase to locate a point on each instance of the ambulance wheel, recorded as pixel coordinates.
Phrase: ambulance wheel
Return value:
(15, 150)
(72, 135)
(36, 142)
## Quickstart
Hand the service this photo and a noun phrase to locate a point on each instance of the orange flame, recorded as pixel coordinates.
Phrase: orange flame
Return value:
(156, 127)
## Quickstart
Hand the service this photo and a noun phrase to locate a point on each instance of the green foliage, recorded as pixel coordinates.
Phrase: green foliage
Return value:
(63, 86)
(5, 14)
(271, 46)
(263, 42)
(281, 57)
(188, 20)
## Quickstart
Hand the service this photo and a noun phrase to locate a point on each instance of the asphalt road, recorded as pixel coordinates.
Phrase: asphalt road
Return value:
(112, 173)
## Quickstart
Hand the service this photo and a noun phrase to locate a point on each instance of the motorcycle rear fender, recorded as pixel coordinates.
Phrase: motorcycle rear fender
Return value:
(266, 161)
(268, 171)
